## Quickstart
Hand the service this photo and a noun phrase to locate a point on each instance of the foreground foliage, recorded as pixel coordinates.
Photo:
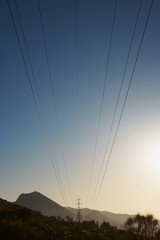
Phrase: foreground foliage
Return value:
(23, 224)
(143, 226)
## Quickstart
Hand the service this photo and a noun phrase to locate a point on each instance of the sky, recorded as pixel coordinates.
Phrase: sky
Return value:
(79, 38)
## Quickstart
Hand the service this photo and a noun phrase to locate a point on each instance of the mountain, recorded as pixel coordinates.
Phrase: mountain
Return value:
(39, 202)
(118, 218)
(99, 217)
(18, 222)
(4, 204)
(114, 219)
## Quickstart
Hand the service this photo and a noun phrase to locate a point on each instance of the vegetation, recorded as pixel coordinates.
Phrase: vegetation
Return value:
(20, 223)
(144, 227)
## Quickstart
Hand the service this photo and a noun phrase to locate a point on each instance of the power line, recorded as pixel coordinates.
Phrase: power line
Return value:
(119, 94)
(35, 102)
(68, 182)
(122, 111)
(77, 81)
(77, 68)
(52, 87)
(36, 86)
(77, 92)
(102, 100)
(30, 62)
(35, 82)
(48, 64)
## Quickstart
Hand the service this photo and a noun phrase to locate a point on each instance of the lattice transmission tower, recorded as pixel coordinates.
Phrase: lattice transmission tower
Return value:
(79, 216)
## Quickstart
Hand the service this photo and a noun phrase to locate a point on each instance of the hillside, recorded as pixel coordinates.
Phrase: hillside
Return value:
(4, 204)
(20, 223)
(100, 216)
(39, 202)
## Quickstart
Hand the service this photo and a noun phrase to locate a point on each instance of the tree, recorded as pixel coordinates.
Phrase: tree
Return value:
(105, 226)
(143, 226)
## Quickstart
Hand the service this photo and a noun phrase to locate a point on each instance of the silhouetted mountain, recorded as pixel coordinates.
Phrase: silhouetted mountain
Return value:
(21, 223)
(4, 204)
(100, 216)
(37, 201)
(117, 217)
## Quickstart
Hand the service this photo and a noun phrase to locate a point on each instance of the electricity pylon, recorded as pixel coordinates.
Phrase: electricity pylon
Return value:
(79, 209)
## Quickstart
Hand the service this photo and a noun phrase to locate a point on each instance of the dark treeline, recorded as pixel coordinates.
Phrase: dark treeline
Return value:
(23, 224)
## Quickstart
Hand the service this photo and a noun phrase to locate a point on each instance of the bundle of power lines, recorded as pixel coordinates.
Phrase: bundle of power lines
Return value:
(39, 107)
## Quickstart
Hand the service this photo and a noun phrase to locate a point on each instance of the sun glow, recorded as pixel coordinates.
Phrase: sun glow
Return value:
(154, 158)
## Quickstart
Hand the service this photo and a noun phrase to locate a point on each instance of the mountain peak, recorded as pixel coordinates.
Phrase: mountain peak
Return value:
(35, 193)
(39, 202)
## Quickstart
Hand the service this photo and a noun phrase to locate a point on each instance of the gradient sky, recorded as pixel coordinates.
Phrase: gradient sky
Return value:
(132, 180)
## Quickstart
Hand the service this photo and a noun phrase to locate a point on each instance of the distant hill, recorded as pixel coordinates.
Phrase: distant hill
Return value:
(21, 223)
(4, 204)
(114, 219)
(117, 217)
(39, 202)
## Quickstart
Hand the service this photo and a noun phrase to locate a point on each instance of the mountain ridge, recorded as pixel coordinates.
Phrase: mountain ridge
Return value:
(39, 202)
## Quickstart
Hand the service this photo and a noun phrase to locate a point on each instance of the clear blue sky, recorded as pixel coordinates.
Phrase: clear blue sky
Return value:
(132, 180)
